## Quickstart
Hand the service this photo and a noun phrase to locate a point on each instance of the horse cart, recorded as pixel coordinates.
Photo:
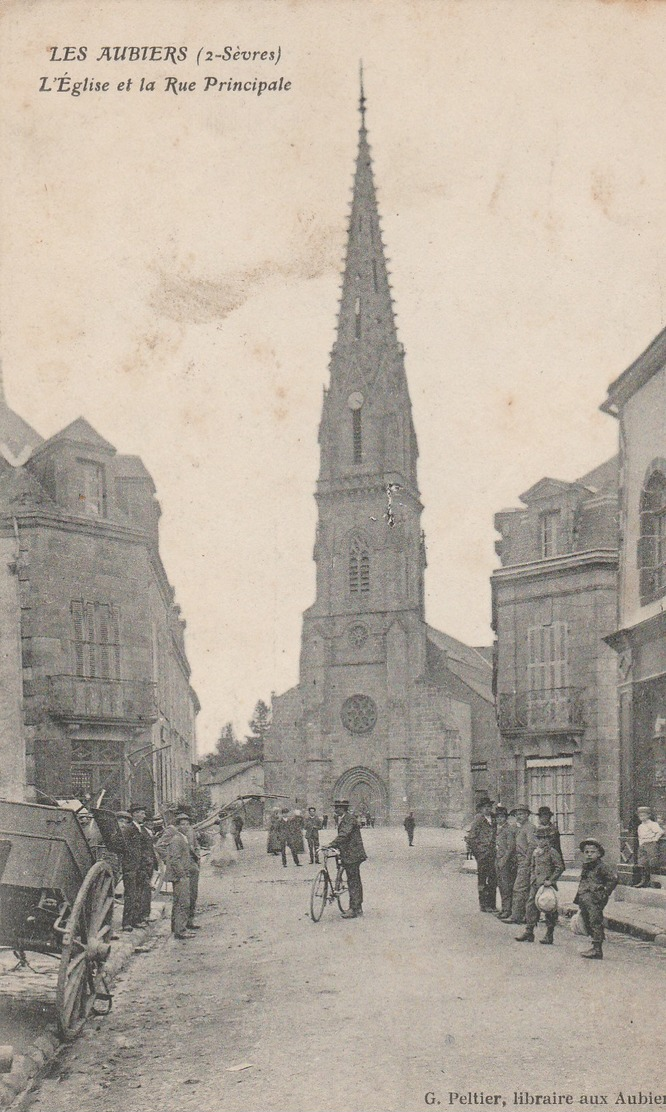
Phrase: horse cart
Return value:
(57, 899)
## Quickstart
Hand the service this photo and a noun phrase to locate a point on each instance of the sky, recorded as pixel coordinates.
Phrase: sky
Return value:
(171, 264)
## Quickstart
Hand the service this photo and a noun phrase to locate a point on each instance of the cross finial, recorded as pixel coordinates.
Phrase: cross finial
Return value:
(361, 105)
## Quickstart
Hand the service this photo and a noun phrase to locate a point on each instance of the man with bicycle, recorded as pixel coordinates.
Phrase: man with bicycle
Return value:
(349, 842)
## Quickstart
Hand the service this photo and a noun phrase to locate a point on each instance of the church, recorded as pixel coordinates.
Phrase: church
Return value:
(388, 712)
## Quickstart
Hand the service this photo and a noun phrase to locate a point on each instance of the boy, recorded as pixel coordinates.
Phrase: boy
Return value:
(546, 868)
(597, 882)
(649, 834)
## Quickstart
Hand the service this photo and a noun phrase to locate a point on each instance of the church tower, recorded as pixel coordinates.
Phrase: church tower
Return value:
(366, 721)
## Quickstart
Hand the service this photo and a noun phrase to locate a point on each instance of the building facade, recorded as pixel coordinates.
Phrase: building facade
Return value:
(385, 709)
(228, 783)
(638, 400)
(102, 685)
(554, 600)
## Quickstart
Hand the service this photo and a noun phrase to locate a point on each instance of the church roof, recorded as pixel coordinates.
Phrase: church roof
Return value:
(469, 664)
(225, 772)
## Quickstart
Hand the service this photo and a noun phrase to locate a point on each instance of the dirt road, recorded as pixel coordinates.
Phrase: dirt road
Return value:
(422, 998)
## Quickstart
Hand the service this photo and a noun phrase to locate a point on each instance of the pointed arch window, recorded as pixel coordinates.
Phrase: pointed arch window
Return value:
(357, 435)
(357, 318)
(359, 568)
(652, 543)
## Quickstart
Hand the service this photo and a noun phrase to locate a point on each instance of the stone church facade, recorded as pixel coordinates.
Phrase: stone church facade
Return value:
(386, 708)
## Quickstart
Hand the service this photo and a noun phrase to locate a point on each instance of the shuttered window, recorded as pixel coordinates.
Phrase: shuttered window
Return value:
(547, 667)
(95, 640)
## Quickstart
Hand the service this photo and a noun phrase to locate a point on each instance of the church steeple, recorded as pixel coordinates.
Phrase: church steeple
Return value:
(366, 423)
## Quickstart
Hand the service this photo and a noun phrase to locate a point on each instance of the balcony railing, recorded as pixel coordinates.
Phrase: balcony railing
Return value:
(83, 698)
(559, 710)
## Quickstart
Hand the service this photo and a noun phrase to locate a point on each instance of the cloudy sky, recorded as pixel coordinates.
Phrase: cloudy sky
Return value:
(170, 269)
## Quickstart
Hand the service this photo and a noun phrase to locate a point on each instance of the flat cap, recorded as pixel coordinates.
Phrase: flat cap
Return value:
(180, 816)
(124, 815)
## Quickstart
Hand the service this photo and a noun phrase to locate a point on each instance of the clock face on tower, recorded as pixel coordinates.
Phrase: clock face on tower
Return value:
(357, 635)
(359, 714)
(355, 400)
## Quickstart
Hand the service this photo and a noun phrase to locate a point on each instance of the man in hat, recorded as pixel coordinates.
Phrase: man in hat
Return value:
(525, 843)
(312, 828)
(129, 851)
(597, 882)
(546, 868)
(545, 818)
(147, 864)
(176, 847)
(349, 842)
(505, 856)
(481, 841)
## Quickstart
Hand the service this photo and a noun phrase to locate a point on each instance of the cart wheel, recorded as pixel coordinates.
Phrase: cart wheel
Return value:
(342, 889)
(85, 947)
(318, 895)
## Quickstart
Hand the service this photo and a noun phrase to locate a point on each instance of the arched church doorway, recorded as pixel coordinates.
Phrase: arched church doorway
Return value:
(366, 793)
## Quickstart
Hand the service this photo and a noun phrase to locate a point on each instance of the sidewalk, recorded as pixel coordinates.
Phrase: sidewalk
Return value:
(640, 913)
(32, 987)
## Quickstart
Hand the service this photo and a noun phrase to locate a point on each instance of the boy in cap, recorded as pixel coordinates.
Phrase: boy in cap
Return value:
(649, 834)
(546, 868)
(597, 882)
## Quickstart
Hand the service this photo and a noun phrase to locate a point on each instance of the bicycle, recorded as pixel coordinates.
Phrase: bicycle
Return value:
(325, 888)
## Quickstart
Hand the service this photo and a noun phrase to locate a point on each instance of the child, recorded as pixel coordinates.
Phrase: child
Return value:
(597, 882)
(545, 869)
(649, 833)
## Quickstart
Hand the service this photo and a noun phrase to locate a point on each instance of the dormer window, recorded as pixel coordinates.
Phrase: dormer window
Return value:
(549, 525)
(92, 493)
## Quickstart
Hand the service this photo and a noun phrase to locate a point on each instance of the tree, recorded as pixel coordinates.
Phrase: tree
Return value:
(259, 724)
(228, 750)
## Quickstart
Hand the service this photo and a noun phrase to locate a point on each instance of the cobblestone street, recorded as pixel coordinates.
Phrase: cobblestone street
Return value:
(265, 1011)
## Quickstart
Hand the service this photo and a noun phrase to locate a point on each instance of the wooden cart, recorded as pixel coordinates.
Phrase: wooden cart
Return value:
(56, 899)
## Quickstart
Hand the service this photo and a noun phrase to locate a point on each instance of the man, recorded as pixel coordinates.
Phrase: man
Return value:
(505, 859)
(147, 865)
(313, 825)
(649, 834)
(236, 827)
(349, 842)
(409, 825)
(546, 868)
(525, 843)
(597, 882)
(481, 841)
(129, 850)
(286, 838)
(175, 846)
(183, 825)
(545, 818)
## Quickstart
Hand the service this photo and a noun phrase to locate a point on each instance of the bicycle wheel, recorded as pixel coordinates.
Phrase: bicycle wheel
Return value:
(318, 894)
(342, 889)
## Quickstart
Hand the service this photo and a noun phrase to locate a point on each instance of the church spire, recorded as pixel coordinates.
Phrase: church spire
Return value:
(366, 325)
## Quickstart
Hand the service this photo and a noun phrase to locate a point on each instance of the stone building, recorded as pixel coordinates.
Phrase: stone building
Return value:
(97, 691)
(638, 399)
(386, 708)
(554, 601)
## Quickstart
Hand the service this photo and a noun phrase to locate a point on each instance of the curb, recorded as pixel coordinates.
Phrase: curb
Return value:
(28, 1067)
(620, 926)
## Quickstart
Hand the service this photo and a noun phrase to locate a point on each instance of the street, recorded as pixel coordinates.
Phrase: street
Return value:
(266, 1011)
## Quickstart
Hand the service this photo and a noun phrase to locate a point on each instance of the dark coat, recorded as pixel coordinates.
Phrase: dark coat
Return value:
(409, 824)
(148, 856)
(597, 882)
(505, 848)
(481, 837)
(295, 834)
(312, 826)
(546, 864)
(349, 841)
(131, 849)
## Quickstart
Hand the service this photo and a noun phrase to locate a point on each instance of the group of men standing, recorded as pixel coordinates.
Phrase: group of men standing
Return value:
(139, 857)
(525, 862)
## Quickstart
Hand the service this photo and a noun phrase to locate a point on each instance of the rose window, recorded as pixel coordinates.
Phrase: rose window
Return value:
(359, 714)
